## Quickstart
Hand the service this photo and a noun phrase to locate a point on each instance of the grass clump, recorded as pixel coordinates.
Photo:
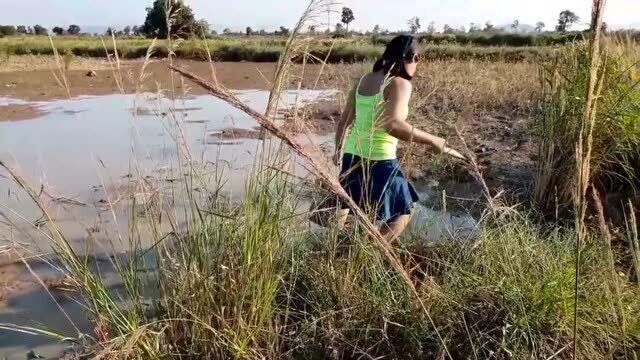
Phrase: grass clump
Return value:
(514, 296)
(616, 135)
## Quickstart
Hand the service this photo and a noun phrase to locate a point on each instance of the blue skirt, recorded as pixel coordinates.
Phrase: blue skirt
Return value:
(378, 187)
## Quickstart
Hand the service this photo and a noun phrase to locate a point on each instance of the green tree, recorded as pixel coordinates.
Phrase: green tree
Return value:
(135, 30)
(448, 29)
(73, 30)
(347, 16)
(488, 27)
(414, 24)
(604, 27)
(7, 30)
(227, 31)
(540, 26)
(339, 28)
(376, 30)
(515, 25)
(109, 32)
(39, 30)
(181, 20)
(249, 31)
(127, 30)
(58, 31)
(474, 28)
(284, 31)
(431, 29)
(201, 28)
(566, 19)
(22, 30)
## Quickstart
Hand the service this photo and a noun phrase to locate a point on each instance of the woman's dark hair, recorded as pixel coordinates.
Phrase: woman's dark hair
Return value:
(401, 48)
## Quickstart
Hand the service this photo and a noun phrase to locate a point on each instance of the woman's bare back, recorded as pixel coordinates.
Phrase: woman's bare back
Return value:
(372, 83)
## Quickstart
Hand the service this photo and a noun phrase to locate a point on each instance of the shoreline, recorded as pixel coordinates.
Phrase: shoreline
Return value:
(96, 78)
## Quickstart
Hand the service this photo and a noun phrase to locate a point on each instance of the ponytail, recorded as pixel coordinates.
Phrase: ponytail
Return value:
(386, 65)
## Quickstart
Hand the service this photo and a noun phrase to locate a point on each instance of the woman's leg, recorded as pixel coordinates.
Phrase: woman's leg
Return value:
(392, 230)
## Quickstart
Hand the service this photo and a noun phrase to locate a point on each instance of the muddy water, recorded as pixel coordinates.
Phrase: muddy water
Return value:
(87, 150)
(83, 157)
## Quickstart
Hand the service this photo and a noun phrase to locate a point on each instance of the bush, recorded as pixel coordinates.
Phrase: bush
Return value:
(7, 30)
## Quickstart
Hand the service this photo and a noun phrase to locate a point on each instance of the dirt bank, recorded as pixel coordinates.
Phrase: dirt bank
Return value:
(38, 79)
(40, 83)
(19, 112)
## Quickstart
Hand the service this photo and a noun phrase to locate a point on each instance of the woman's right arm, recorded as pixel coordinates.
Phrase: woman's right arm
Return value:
(397, 95)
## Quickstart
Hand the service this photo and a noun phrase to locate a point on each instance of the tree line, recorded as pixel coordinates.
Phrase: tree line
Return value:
(566, 20)
(184, 24)
(10, 30)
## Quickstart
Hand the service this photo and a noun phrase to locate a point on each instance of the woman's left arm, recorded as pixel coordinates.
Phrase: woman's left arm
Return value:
(346, 120)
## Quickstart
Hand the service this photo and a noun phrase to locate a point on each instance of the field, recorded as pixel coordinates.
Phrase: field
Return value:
(258, 49)
(536, 278)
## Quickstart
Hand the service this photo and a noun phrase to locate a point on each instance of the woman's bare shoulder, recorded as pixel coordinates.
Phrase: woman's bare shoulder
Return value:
(398, 86)
(399, 83)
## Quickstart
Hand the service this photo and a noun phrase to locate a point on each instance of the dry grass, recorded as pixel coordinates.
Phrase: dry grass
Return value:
(47, 62)
(475, 85)
(460, 86)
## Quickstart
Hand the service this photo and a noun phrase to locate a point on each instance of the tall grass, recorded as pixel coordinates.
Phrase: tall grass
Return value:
(616, 135)
(250, 280)
(590, 93)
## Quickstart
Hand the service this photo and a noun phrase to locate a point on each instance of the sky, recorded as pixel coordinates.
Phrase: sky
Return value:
(270, 14)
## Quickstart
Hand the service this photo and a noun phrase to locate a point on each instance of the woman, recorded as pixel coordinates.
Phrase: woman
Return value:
(375, 119)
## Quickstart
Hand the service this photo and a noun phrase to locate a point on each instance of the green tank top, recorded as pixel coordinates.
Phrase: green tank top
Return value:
(367, 138)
